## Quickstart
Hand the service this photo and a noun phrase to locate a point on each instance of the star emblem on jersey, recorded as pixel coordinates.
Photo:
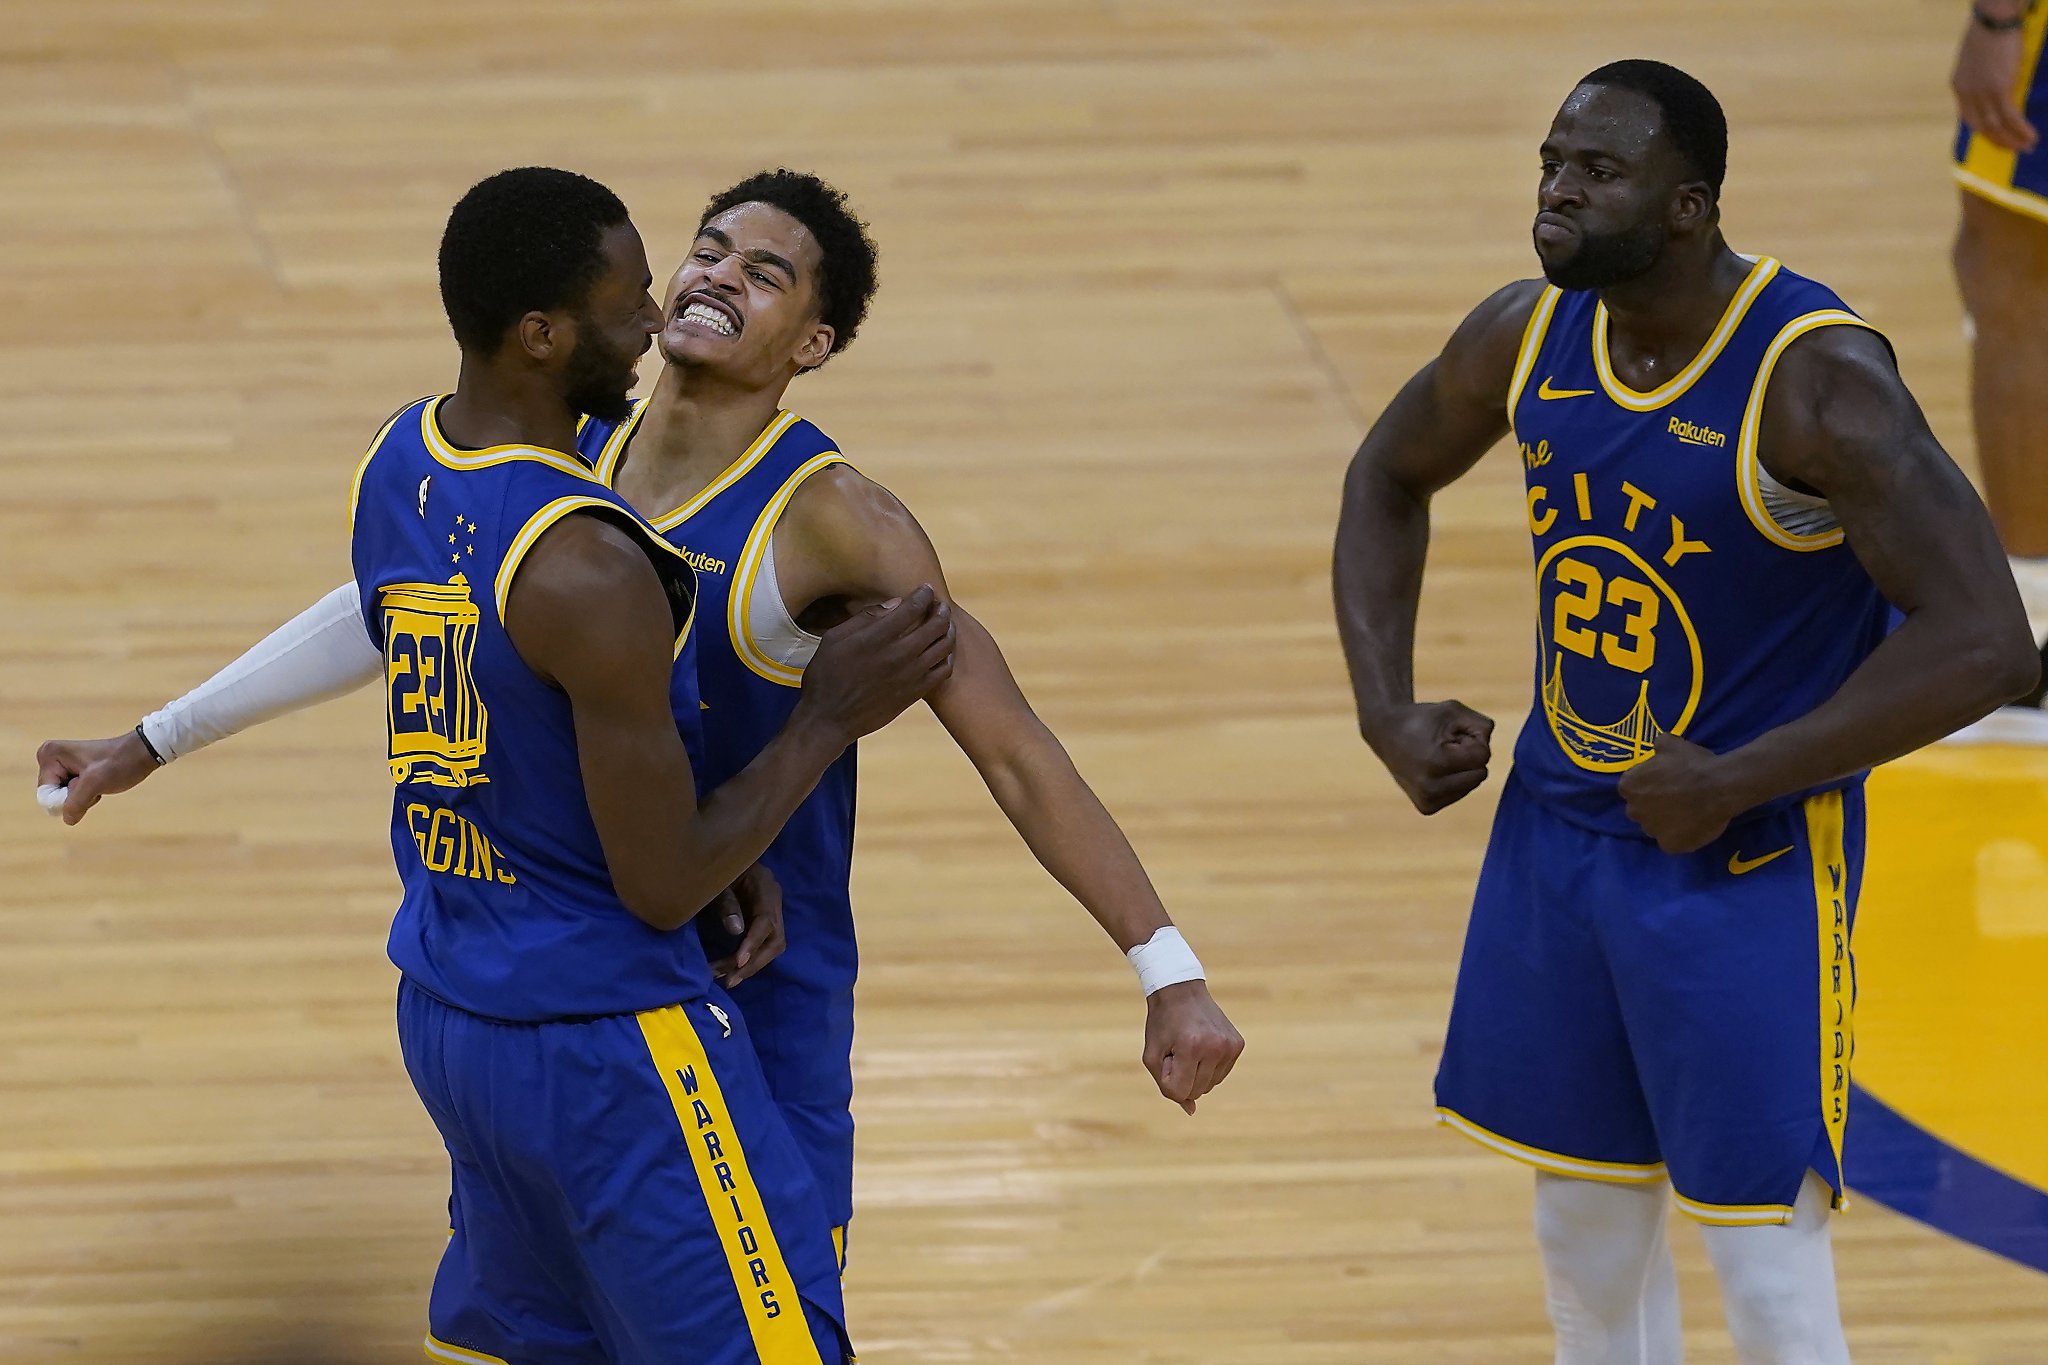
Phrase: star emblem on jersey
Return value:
(1544, 390)
(1739, 864)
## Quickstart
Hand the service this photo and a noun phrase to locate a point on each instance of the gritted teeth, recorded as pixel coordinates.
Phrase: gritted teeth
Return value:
(710, 315)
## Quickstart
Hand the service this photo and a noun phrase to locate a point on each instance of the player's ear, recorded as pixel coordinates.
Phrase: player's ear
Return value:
(815, 347)
(1692, 206)
(540, 334)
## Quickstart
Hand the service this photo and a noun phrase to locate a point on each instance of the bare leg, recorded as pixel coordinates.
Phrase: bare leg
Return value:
(2001, 262)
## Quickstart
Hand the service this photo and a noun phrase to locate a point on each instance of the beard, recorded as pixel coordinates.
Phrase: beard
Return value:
(599, 378)
(1608, 259)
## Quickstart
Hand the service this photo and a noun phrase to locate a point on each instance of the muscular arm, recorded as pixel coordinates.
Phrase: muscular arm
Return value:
(588, 614)
(1436, 429)
(847, 538)
(321, 653)
(1838, 420)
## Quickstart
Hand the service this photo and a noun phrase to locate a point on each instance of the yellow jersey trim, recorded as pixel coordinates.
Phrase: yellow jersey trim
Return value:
(1746, 458)
(547, 516)
(781, 1334)
(839, 1247)
(355, 487)
(1617, 1172)
(1760, 275)
(444, 453)
(731, 475)
(1837, 973)
(1533, 333)
(438, 1349)
(739, 617)
(607, 466)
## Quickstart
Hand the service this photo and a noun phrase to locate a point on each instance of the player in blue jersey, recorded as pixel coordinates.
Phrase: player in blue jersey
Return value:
(2001, 264)
(624, 1188)
(787, 538)
(1728, 489)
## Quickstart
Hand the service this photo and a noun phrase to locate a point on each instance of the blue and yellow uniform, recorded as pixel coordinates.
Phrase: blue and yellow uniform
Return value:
(750, 663)
(2016, 180)
(1622, 1013)
(624, 1188)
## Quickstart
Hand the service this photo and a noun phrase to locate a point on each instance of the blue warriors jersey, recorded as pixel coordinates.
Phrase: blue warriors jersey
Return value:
(1680, 588)
(508, 910)
(800, 1007)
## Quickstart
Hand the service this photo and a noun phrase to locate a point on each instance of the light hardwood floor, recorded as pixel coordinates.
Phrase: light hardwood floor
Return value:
(1148, 268)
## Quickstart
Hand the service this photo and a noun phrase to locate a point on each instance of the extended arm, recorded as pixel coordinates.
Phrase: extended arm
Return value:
(588, 614)
(318, 655)
(1436, 429)
(845, 538)
(1838, 420)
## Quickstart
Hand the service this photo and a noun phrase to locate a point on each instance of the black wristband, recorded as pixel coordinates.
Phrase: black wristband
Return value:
(1985, 21)
(150, 748)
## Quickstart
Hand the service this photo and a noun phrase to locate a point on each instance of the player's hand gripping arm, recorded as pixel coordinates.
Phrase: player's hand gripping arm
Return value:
(1436, 429)
(316, 656)
(1986, 79)
(1838, 420)
(848, 539)
(587, 613)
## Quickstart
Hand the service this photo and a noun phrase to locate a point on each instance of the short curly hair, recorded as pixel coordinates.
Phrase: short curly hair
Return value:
(1692, 116)
(522, 240)
(846, 277)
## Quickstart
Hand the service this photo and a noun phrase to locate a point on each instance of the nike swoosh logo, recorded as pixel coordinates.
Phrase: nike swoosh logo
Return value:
(1544, 390)
(1739, 864)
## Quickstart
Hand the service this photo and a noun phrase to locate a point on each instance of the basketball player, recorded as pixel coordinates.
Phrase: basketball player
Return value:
(2001, 263)
(787, 538)
(624, 1188)
(1726, 484)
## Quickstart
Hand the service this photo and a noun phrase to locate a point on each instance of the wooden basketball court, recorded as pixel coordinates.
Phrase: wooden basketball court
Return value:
(1149, 266)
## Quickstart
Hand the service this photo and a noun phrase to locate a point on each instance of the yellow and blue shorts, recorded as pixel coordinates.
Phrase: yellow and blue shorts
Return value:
(1628, 1015)
(625, 1193)
(2018, 181)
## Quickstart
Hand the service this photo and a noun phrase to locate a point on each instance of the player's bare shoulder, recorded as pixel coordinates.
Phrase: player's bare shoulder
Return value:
(1478, 362)
(1836, 409)
(842, 513)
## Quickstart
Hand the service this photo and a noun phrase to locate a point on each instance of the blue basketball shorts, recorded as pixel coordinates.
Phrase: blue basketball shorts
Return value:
(803, 1033)
(1625, 1014)
(625, 1192)
(2015, 180)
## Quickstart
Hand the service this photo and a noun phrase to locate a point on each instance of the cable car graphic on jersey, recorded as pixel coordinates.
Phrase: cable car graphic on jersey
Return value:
(437, 718)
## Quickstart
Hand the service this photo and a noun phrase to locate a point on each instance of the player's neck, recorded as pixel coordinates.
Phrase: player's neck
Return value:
(1664, 317)
(489, 408)
(695, 425)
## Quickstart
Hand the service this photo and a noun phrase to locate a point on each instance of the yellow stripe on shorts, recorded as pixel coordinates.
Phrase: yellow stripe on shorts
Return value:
(775, 1315)
(1831, 907)
(440, 1350)
(1985, 168)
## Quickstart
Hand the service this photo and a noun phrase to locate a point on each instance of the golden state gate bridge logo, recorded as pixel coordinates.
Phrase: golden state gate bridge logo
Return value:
(1613, 630)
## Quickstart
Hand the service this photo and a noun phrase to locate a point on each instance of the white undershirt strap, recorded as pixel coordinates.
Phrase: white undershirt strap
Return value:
(773, 630)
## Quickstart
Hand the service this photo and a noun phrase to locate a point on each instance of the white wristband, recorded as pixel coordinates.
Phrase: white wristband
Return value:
(1165, 960)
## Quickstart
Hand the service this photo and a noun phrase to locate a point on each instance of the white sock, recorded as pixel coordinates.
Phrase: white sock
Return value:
(1778, 1285)
(2032, 576)
(1608, 1278)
